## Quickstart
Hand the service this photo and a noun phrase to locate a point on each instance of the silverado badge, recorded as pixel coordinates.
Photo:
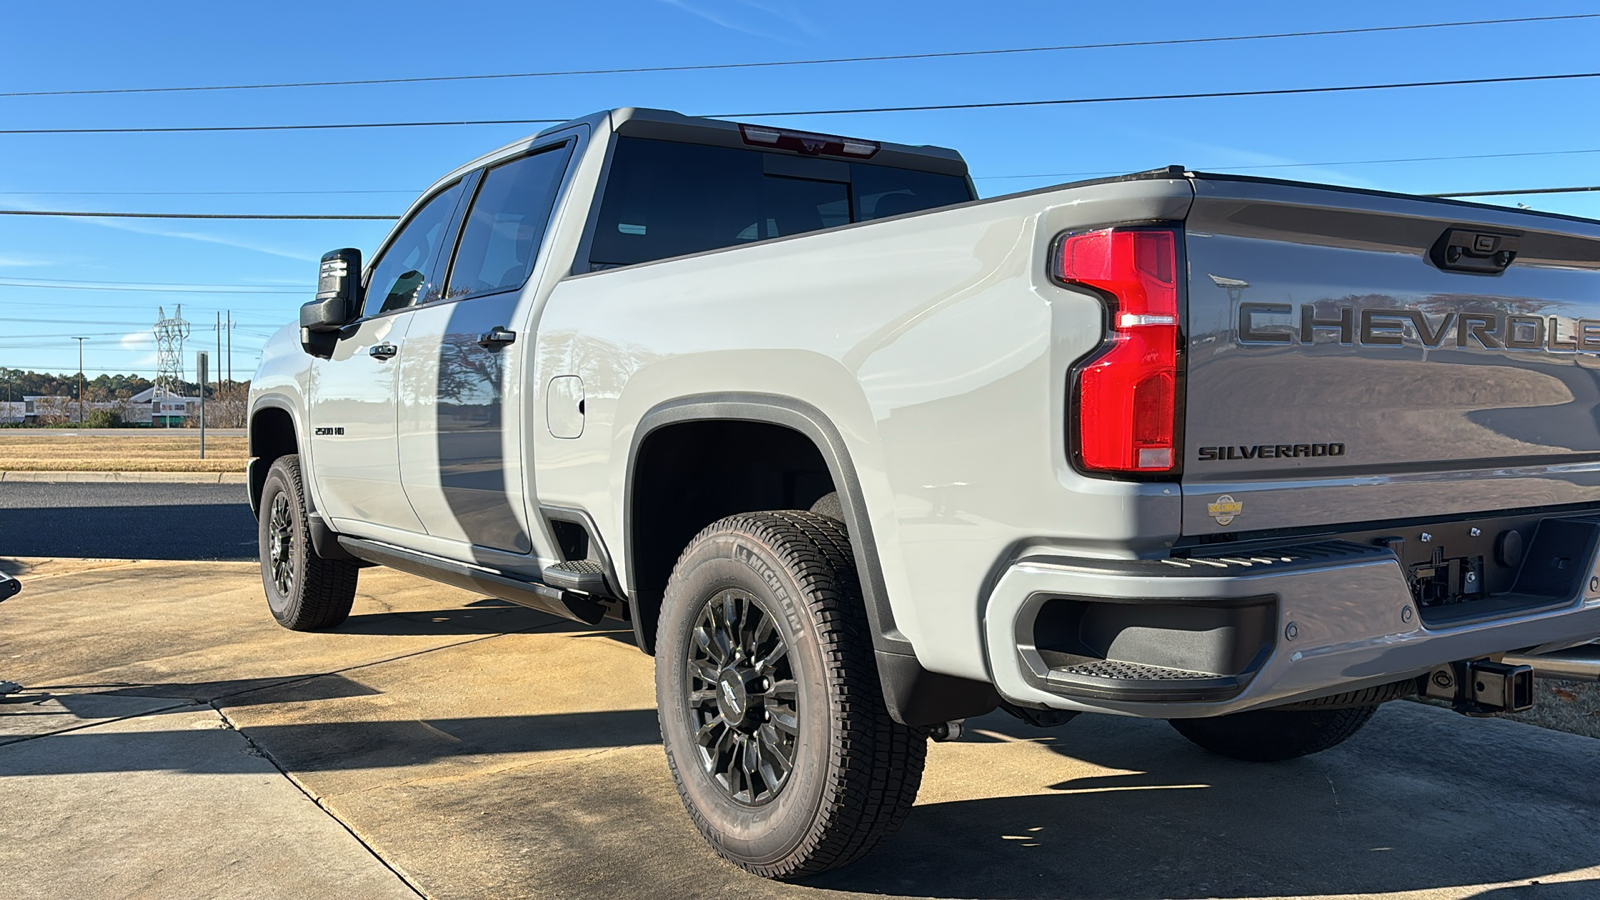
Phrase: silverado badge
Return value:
(1224, 509)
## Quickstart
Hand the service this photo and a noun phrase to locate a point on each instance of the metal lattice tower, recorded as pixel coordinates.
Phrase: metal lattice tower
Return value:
(170, 333)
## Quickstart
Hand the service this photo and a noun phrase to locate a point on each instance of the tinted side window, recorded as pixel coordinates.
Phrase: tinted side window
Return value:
(665, 199)
(402, 271)
(502, 234)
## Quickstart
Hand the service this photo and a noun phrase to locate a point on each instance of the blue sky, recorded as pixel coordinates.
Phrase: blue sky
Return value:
(269, 266)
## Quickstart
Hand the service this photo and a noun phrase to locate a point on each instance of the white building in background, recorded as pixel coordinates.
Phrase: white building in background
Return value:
(158, 406)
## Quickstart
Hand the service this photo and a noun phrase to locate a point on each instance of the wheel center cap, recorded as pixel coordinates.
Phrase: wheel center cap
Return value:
(733, 695)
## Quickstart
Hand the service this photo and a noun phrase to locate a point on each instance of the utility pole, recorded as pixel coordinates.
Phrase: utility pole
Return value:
(219, 358)
(230, 346)
(80, 341)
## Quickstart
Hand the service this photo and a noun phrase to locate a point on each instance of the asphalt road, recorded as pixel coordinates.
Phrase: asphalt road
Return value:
(126, 521)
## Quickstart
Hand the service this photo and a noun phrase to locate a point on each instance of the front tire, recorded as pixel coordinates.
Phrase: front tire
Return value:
(1273, 735)
(304, 591)
(771, 710)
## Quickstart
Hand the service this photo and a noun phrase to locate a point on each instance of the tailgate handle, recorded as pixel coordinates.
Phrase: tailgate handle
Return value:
(1475, 252)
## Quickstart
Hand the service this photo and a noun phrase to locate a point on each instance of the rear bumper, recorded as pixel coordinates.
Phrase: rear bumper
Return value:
(1202, 637)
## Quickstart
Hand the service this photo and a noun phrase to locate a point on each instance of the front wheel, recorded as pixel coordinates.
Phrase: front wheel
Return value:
(771, 710)
(304, 591)
(1273, 735)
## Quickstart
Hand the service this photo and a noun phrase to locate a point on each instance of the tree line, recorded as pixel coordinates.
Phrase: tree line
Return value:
(224, 403)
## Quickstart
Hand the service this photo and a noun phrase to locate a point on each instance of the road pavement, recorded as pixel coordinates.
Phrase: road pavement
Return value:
(127, 521)
(174, 742)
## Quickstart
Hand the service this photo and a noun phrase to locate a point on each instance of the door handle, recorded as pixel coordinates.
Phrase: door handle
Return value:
(383, 351)
(497, 337)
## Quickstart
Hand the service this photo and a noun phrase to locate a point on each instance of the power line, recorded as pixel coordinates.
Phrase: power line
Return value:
(1250, 168)
(1557, 190)
(1344, 162)
(145, 215)
(88, 287)
(319, 127)
(802, 62)
(930, 107)
(1205, 95)
(5, 193)
(170, 289)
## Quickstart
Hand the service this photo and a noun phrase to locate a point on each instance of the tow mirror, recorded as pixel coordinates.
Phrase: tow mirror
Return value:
(338, 301)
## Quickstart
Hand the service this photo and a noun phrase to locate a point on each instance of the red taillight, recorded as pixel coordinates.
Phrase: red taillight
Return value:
(1127, 396)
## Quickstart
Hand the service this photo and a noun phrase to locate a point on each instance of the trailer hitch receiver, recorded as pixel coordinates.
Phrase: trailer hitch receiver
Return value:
(1482, 687)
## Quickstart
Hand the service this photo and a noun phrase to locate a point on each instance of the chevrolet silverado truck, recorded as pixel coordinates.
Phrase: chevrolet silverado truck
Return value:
(859, 455)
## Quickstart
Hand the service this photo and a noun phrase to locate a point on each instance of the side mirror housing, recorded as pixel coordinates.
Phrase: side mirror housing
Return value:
(338, 301)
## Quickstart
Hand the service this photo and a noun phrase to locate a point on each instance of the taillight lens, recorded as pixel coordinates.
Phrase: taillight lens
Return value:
(1127, 396)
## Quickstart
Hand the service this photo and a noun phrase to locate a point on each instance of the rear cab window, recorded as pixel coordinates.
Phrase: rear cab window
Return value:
(664, 199)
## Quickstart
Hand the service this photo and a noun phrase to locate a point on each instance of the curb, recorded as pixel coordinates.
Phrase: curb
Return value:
(127, 477)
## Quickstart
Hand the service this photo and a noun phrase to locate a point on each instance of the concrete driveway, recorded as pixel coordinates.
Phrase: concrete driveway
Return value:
(174, 742)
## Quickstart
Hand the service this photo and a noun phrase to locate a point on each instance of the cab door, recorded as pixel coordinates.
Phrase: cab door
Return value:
(353, 398)
(461, 458)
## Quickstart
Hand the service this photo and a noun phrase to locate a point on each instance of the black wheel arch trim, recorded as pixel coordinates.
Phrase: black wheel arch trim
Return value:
(256, 469)
(811, 422)
(914, 696)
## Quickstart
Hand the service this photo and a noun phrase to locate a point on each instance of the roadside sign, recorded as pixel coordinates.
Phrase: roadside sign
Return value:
(201, 367)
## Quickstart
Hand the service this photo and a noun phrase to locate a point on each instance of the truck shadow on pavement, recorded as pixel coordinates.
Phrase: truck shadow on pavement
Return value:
(1414, 803)
(1408, 805)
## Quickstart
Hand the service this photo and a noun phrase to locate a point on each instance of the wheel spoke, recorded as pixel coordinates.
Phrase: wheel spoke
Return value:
(707, 642)
(704, 670)
(784, 721)
(707, 735)
(771, 659)
(787, 687)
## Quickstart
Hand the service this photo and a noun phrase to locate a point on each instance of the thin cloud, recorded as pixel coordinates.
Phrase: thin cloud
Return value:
(724, 21)
(140, 228)
(20, 262)
(786, 13)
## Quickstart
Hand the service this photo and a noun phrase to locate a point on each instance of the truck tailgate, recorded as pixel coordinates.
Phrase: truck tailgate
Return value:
(1344, 366)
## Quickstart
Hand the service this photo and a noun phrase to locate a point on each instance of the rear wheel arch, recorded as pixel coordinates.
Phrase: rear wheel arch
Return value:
(805, 443)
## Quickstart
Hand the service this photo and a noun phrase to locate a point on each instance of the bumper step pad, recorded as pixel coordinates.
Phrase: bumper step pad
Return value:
(1114, 679)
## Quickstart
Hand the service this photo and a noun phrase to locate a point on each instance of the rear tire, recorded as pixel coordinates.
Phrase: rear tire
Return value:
(771, 710)
(1272, 735)
(304, 591)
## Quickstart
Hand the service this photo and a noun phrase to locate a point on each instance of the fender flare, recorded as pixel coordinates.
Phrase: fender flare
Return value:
(809, 421)
(255, 473)
(914, 696)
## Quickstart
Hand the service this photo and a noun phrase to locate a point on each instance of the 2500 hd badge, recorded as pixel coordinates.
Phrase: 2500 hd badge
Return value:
(1269, 451)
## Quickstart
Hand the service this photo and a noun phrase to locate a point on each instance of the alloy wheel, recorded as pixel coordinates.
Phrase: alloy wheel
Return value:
(280, 545)
(744, 701)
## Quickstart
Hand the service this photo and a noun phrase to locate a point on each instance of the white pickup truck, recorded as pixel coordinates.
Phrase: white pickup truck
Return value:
(859, 456)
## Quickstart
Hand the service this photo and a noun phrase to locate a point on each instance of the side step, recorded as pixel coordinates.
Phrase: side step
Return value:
(532, 594)
(584, 575)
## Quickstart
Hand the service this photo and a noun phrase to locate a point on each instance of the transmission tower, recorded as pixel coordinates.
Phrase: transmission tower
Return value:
(170, 333)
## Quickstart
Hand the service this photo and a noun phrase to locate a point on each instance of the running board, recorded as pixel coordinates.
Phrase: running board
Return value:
(532, 594)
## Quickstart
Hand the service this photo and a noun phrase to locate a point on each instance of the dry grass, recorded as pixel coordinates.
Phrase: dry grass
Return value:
(1570, 706)
(135, 450)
